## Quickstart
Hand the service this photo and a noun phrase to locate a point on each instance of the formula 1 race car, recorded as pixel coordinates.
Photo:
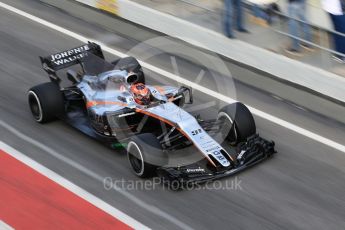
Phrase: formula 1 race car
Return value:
(111, 103)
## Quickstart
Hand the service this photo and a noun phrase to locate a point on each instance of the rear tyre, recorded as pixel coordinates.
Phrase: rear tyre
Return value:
(46, 102)
(239, 123)
(145, 155)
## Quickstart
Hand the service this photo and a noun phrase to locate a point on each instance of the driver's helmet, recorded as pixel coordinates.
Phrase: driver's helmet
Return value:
(141, 94)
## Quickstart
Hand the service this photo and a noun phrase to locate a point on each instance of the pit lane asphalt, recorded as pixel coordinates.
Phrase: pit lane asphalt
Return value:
(300, 188)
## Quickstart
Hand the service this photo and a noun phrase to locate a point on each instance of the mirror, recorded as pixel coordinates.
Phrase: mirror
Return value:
(187, 94)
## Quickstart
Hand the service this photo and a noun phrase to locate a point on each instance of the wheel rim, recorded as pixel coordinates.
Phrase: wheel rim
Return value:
(228, 129)
(135, 158)
(35, 106)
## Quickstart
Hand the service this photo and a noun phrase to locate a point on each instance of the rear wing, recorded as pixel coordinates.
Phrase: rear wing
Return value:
(68, 58)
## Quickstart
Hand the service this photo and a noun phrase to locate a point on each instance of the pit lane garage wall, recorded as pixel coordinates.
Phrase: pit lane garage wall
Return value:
(313, 78)
(315, 12)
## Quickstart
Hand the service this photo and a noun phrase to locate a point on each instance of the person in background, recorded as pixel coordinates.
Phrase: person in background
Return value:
(297, 10)
(260, 17)
(264, 14)
(232, 6)
(336, 10)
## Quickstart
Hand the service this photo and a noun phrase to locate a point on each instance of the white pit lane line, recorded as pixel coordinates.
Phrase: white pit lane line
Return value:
(117, 214)
(3, 225)
(179, 79)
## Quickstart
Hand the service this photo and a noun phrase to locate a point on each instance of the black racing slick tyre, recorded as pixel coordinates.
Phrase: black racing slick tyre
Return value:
(145, 154)
(46, 102)
(239, 123)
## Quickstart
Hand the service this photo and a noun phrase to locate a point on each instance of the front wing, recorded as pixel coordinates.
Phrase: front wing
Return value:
(250, 153)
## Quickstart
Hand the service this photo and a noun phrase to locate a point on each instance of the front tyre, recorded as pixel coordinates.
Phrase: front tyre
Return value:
(238, 123)
(46, 102)
(145, 155)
